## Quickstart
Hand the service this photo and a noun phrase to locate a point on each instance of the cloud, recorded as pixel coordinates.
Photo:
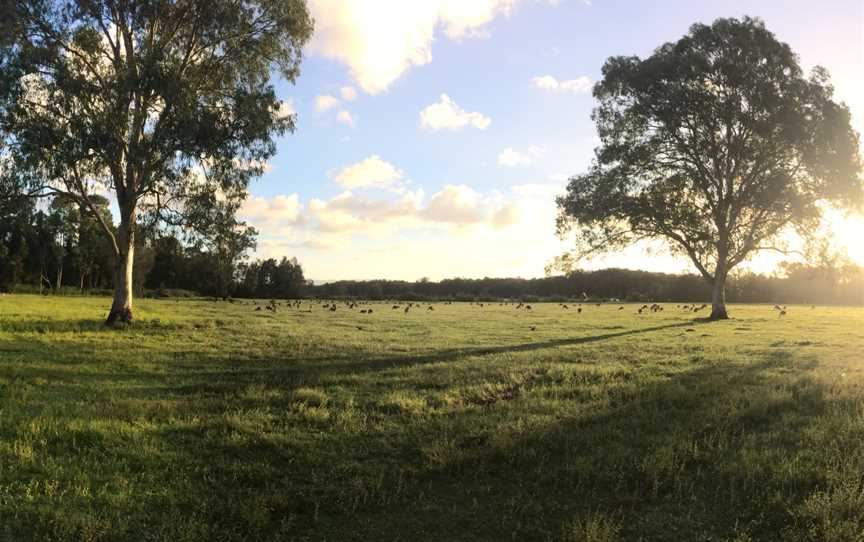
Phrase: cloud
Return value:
(510, 157)
(445, 114)
(353, 235)
(372, 172)
(461, 205)
(455, 204)
(507, 215)
(580, 85)
(325, 102)
(286, 109)
(456, 209)
(348, 94)
(379, 40)
(344, 117)
(271, 211)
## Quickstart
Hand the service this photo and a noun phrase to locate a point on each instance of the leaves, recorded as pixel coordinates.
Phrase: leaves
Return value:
(139, 97)
(717, 144)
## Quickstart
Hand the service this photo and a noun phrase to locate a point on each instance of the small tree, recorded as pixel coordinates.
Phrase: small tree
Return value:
(217, 230)
(146, 99)
(716, 144)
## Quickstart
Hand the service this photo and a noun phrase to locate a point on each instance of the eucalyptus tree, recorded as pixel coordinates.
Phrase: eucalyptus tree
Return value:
(717, 144)
(149, 101)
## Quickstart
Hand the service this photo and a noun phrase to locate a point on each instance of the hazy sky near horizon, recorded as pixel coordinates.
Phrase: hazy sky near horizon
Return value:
(433, 135)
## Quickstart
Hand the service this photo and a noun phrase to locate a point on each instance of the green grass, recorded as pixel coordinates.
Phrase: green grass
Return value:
(210, 421)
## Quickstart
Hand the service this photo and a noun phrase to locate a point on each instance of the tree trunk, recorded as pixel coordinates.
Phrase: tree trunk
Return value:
(121, 308)
(718, 299)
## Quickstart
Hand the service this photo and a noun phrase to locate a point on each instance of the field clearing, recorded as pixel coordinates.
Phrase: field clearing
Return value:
(213, 421)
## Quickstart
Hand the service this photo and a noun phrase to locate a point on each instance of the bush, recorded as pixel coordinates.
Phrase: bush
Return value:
(162, 293)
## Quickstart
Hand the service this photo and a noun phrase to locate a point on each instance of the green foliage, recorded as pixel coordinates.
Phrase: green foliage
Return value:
(213, 421)
(716, 144)
(156, 101)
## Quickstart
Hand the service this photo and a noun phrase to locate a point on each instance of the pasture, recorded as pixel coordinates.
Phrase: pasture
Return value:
(213, 421)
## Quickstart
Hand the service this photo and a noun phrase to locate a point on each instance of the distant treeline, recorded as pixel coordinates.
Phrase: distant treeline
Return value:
(802, 284)
(58, 248)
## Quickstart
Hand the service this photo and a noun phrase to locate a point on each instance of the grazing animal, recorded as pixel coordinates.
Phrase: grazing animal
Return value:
(621, 308)
(407, 309)
(362, 311)
(533, 328)
(579, 310)
(257, 309)
(528, 307)
(430, 308)
(360, 328)
(639, 311)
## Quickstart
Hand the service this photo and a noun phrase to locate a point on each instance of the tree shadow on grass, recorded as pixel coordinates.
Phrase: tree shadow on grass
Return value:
(190, 372)
(715, 452)
(712, 452)
(694, 455)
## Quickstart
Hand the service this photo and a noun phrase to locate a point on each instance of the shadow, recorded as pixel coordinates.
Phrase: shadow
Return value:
(713, 453)
(85, 325)
(227, 448)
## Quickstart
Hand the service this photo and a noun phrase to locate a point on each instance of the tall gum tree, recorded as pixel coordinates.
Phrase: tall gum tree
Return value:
(152, 101)
(716, 144)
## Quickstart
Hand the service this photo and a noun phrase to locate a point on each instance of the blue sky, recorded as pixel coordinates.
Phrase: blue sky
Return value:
(366, 188)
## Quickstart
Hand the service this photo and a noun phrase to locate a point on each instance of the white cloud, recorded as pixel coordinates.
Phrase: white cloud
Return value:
(356, 236)
(372, 172)
(510, 157)
(286, 109)
(325, 102)
(580, 85)
(445, 114)
(270, 211)
(379, 40)
(345, 118)
(348, 94)
(456, 204)
(456, 209)
(508, 215)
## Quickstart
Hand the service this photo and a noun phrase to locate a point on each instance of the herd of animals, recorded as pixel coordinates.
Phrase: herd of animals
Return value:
(365, 307)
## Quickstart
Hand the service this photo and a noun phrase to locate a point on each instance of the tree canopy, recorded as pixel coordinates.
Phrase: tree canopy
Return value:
(717, 144)
(157, 102)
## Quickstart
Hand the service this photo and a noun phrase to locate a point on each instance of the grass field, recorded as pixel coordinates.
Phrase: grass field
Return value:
(211, 421)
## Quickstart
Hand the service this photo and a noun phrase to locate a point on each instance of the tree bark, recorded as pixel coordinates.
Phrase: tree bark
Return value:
(718, 299)
(121, 307)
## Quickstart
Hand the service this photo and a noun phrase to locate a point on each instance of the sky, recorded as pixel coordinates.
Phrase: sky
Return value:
(433, 135)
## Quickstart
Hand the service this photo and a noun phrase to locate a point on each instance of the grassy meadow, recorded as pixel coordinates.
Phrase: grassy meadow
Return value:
(213, 421)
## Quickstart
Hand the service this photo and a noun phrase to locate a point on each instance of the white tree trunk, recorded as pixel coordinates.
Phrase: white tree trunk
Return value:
(121, 307)
(718, 299)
